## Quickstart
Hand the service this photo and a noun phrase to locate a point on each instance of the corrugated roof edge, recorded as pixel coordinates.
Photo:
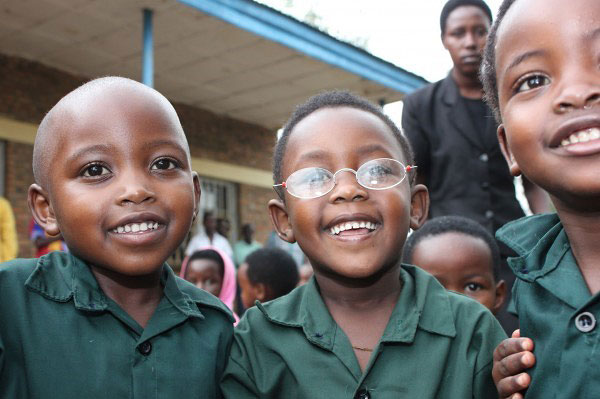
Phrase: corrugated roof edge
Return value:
(278, 27)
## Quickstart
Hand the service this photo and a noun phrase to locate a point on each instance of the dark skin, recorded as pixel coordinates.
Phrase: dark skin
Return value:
(546, 97)
(139, 177)
(357, 273)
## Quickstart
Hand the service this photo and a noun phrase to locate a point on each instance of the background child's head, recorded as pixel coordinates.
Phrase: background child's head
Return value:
(113, 176)
(205, 269)
(266, 274)
(541, 76)
(211, 270)
(346, 229)
(462, 255)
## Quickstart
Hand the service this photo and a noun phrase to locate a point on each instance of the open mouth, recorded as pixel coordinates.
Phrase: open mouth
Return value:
(581, 136)
(136, 227)
(353, 227)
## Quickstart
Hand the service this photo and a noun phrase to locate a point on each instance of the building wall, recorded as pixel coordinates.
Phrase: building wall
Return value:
(29, 89)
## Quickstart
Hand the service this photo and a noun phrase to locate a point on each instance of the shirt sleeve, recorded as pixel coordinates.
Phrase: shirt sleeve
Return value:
(413, 130)
(488, 335)
(238, 381)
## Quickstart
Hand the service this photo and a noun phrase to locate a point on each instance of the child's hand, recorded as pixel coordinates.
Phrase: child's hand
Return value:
(512, 357)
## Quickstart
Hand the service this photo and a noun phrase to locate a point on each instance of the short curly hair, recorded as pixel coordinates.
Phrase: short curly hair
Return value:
(275, 268)
(334, 99)
(487, 71)
(453, 224)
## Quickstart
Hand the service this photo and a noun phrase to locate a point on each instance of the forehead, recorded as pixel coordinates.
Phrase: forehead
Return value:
(465, 15)
(544, 23)
(204, 265)
(342, 132)
(460, 251)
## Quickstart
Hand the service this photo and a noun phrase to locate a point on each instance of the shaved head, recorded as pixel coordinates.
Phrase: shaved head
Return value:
(72, 111)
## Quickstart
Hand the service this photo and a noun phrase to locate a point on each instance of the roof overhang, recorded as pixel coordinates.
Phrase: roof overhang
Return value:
(233, 57)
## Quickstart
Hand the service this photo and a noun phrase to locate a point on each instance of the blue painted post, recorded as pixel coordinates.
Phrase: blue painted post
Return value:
(148, 50)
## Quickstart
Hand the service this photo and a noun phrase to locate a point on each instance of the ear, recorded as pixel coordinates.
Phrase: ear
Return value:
(260, 292)
(500, 296)
(510, 160)
(281, 220)
(41, 209)
(197, 192)
(419, 206)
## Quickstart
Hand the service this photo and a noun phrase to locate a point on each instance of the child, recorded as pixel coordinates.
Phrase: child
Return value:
(542, 77)
(110, 319)
(267, 274)
(462, 255)
(365, 325)
(212, 270)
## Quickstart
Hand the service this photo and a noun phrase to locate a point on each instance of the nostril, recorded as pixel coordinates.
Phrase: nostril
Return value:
(592, 100)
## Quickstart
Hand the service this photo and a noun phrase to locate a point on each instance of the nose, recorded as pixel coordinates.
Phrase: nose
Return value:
(135, 189)
(347, 188)
(470, 40)
(578, 92)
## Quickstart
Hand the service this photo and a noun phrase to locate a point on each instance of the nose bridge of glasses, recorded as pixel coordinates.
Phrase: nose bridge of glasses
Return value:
(343, 170)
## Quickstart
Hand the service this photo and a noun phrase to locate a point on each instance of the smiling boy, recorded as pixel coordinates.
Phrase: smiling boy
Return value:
(109, 319)
(542, 77)
(365, 326)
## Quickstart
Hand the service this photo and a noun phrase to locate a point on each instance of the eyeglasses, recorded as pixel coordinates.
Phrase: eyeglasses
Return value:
(377, 174)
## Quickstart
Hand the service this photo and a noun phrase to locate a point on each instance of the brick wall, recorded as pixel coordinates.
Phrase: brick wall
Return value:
(29, 89)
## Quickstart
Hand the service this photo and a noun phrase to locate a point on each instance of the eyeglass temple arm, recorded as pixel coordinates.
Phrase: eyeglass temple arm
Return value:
(280, 185)
(410, 167)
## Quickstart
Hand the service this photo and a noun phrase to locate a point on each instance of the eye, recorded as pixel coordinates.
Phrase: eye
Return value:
(95, 170)
(164, 164)
(473, 287)
(378, 171)
(531, 82)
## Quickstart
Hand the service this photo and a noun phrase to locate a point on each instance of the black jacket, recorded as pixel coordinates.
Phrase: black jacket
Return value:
(466, 172)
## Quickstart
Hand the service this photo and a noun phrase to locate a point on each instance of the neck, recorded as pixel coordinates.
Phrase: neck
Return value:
(584, 235)
(137, 295)
(469, 86)
(360, 294)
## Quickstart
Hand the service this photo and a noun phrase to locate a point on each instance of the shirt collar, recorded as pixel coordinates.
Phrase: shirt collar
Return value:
(542, 245)
(61, 276)
(423, 303)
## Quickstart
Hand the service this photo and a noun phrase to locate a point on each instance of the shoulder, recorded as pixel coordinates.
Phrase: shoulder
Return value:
(203, 299)
(16, 271)
(424, 94)
(523, 234)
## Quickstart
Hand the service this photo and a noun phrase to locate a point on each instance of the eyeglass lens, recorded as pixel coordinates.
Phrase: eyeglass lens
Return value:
(377, 174)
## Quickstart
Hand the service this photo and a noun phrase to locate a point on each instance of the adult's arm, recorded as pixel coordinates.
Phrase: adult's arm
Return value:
(413, 113)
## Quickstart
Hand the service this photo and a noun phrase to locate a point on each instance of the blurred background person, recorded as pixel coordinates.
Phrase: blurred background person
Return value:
(246, 245)
(9, 246)
(44, 243)
(267, 274)
(212, 270)
(209, 237)
(223, 227)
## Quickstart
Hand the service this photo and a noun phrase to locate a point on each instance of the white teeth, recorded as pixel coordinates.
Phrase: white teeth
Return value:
(582, 136)
(136, 227)
(352, 225)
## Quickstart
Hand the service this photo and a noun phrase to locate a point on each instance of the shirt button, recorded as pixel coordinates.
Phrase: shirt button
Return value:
(489, 214)
(145, 348)
(362, 394)
(485, 185)
(585, 322)
(483, 157)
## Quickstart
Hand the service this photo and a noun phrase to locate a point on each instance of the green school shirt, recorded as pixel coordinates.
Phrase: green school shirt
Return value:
(437, 344)
(61, 337)
(555, 309)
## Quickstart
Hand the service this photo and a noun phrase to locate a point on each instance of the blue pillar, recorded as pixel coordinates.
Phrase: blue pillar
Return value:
(148, 50)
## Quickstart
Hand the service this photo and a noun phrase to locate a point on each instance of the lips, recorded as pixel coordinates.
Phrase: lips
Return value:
(138, 223)
(352, 224)
(577, 130)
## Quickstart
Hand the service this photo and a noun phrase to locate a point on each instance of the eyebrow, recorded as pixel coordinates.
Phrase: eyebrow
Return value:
(161, 143)
(363, 150)
(526, 56)
(96, 148)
